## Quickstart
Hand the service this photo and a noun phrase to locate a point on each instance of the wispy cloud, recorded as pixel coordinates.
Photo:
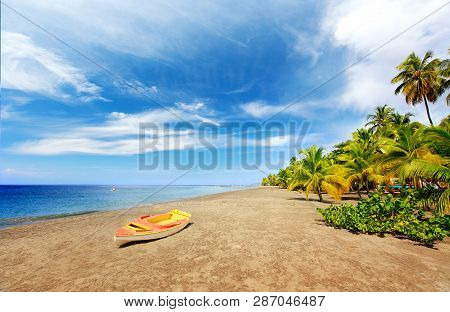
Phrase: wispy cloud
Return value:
(30, 68)
(197, 107)
(259, 109)
(308, 44)
(6, 111)
(118, 135)
(262, 109)
(207, 120)
(136, 88)
(9, 107)
(244, 88)
(193, 107)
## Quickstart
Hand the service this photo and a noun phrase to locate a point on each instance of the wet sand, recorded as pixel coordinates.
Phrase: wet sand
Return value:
(262, 239)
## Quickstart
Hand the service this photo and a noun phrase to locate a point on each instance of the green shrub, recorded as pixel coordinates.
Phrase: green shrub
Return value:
(386, 214)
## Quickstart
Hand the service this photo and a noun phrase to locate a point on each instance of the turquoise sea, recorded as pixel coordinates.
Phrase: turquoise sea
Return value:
(28, 203)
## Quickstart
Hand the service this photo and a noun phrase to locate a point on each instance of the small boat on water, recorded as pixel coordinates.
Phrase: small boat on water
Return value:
(150, 227)
(113, 189)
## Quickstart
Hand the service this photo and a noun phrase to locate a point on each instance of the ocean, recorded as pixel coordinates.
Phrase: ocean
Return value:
(28, 203)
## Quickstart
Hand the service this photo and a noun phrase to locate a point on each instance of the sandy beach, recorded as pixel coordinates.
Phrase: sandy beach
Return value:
(261, 239)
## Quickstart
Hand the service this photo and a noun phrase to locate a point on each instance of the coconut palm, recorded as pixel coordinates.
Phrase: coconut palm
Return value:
(398, 119)
(284, 177)
(363, 136)
(359, 158)
(419, 80)
(317, 174)
(380, 118)
(400, 155)
(338, 150)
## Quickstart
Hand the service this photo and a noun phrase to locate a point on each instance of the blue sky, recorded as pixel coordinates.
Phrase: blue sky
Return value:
(67, 119)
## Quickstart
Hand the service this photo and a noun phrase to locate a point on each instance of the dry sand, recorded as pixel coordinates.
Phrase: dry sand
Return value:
(262, 239)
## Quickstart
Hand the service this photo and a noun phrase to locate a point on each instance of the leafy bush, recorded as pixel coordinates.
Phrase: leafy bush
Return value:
(270, 180)
(386, 214)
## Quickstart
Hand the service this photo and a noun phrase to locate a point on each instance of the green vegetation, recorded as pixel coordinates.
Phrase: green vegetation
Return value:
(379, 214)
(391, 153)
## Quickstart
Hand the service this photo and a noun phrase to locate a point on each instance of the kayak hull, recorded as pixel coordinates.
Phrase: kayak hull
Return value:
(147, 228)
(121, 240)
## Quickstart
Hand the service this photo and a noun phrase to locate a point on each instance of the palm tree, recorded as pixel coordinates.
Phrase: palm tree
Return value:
(398, 120)
(402, 156)
(360, 160)
(284, 176)
(338, 150)
(363, 136)
(380, 118)
(419, 80)
(317, 174)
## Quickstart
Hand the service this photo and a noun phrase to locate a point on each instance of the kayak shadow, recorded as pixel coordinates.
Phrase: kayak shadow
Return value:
(153, 240)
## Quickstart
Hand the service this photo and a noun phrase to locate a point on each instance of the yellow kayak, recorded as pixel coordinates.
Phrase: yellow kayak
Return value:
(150, 227)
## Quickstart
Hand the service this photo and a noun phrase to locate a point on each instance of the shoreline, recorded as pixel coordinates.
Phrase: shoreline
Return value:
(258, 239)
(45, 218)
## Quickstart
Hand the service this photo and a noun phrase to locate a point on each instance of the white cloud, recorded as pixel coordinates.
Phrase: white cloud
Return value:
(274, 141)
(9, 107)
(118, 135)
(259, 109)
(31, 68)
(6, 111)
(195, 106)
(118, 124)
(363, 26)
(207, 120)
(64, 145)
(136, 88)
(262, 109)
(308, 45)
(158, 28)
(242, 89)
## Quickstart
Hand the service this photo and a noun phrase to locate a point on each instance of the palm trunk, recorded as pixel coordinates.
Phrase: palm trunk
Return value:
(367, 187)
(359, 192)
(320, 194)
(428, 110)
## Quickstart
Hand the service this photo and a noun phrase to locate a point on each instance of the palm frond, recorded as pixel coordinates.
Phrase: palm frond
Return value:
(332, 190)
(427, 170)
(443, 204)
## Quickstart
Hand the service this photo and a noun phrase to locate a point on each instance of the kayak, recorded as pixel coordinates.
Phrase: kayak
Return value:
(150, 227)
